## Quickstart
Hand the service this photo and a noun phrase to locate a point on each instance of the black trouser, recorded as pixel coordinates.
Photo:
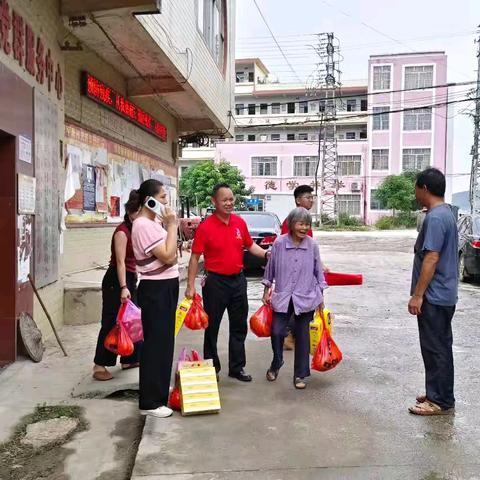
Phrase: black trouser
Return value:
(435, 328)
(110, 306)
(220, 293)
(158, 300)
(301, 330)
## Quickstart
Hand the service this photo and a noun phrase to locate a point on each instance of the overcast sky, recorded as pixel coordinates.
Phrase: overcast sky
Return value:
(364, 28)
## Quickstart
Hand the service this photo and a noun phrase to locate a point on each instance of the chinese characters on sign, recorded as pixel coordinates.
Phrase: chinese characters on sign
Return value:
(106, 96)
(270, 185)
(17, 36)
(26, 194)
(292, 184)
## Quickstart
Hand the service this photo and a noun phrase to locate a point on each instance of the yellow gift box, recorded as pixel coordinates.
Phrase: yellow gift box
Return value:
(199, 388)
(181, 313)
(316, 328)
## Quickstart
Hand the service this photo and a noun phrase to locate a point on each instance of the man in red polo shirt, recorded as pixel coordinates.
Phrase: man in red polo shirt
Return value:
(221, 238)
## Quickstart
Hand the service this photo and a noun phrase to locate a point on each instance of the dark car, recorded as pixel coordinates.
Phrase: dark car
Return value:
(469, 246)
(264, 227)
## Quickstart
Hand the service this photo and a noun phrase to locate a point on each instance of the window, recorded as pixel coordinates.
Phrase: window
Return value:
(290, 136)
(321, 106)
(375, 203)
(363, 105)
(420, 119)
(263, 108)
(275, 108)
(349, 165)
(240, 77)
(349, 204)
(351, 105)
(381, 77)
(419, 77)
(304, 166)
(381, 120)
(416, 158)
(380, 159)
(275, 137)
(363, 135)
(251, 76)
(264, 166)
(211, 25)
(239, 138)
(303, 136)
(239, 109)
(350, 136)
(251, 138)
(251, 109)
(303, 107)
(291, 107)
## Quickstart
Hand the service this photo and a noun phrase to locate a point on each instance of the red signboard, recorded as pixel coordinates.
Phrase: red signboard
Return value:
(104, 95)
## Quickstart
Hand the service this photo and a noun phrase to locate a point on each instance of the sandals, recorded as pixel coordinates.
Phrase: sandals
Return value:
(428, 408)
(272, 375)
(128, 366)
(299, 383)
(102, 375)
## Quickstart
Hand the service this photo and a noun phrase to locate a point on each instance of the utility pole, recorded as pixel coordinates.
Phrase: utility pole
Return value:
(327, 84)
(475, 175)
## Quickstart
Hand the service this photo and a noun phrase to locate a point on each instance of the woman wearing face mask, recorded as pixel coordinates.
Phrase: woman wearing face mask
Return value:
(155, 248)
(296, 268)
(119, 285)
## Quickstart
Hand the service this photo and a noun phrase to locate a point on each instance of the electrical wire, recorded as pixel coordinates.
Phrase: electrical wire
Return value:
(275, 40)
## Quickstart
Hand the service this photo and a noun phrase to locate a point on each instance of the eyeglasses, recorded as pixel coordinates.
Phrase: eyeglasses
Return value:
(309, 197)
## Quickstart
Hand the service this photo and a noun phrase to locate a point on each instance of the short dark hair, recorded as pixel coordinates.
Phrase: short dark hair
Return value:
(434, 180)
(218, 186)
(301, 190)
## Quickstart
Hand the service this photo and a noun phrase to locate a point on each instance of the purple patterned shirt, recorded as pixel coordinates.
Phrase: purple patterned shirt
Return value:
(298, 275)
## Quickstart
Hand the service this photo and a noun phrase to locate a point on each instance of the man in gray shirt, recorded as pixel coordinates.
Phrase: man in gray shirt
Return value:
(434, 293)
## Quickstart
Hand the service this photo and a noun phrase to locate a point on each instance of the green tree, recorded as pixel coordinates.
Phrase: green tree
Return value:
(198, 181)
(397, 192)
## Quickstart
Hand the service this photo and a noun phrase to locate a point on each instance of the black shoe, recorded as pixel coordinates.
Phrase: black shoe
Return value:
(241, 375)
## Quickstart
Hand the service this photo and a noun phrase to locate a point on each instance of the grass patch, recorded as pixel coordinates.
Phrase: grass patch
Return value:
(23, 462)
(403, 220)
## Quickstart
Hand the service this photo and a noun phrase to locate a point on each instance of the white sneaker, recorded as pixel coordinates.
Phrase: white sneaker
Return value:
(160, 412)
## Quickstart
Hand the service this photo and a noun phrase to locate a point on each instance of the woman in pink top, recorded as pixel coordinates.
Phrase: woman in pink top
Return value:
(155, 249)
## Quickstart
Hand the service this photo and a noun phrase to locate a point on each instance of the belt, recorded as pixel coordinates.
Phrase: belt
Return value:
(234, 275)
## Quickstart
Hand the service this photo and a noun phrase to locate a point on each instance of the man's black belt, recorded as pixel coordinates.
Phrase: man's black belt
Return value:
(234, 275)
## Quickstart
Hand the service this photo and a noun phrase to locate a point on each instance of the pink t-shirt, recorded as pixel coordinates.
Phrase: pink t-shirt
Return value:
(146, 235)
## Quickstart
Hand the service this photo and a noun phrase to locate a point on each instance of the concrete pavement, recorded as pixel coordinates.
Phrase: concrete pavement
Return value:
(351, 423)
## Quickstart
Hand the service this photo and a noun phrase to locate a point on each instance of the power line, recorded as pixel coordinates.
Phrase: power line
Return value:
(366, 94)
(273, 36)
(364, 115)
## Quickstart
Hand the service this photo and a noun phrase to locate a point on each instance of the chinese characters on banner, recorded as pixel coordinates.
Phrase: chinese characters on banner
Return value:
(28, 49)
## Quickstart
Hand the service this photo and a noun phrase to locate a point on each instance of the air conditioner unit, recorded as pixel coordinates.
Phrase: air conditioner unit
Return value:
(356, 187)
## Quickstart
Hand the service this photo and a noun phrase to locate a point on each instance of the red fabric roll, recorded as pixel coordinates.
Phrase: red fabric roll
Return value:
(334, 279)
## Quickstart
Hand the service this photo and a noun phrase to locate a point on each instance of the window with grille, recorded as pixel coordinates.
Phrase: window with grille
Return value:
(420, 76)
(251, 137)
(211, 25)
(381, 118)
(351, 105)
(239, 138)
(275, 108)
(303, 107)
(375, 203)
(350, 135)
(349, 165)
(239, 109)
(251, 109)
(349, 204)
(251, 76)
(290, 136)
(263, 108)
(381, 77)
(416, 158)
(420, 119)
(303, 136)
(264, 166)
(304, 166)
(291, 107)
(275, 137)
(380, 159)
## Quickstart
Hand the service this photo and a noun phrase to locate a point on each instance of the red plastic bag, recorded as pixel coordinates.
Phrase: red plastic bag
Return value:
(196, 318)
(261, 321)
(175, 399)
(131, 318)
(118, 341)
(328, 355)
(338, 279)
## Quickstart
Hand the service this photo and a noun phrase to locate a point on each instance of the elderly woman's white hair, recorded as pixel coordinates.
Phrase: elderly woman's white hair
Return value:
(298, 214)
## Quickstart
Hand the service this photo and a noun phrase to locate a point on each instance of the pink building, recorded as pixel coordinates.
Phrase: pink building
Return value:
(277, 131)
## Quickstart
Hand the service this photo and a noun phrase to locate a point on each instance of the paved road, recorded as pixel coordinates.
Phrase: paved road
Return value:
(351, 423)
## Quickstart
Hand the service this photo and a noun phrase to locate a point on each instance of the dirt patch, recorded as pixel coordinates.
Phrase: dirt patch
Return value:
(23, 462)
